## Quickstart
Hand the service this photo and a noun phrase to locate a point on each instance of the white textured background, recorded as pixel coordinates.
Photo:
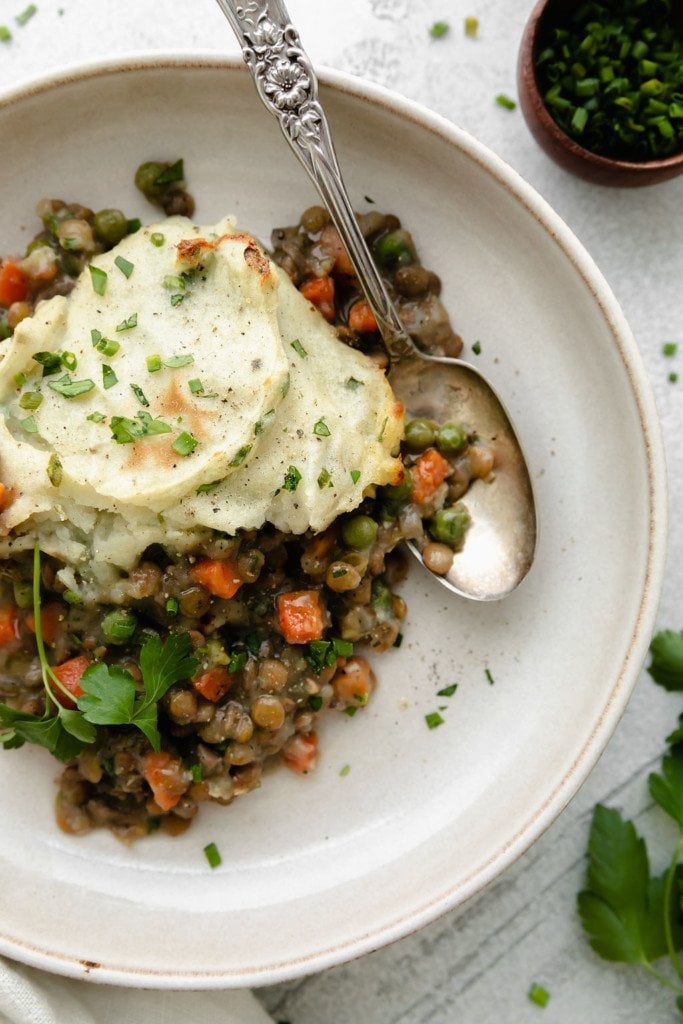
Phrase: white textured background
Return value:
(474, 966)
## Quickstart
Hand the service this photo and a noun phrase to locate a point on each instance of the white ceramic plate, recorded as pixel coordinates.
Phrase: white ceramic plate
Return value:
(319, 869)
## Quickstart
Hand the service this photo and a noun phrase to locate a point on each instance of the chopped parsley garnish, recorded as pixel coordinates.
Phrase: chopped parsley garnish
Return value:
(126, 431)
(211, 853)
(5, 34)
(539, 995)
(124, 265)
(30, 425)
(157, 239)
(264, 422)
(291, 480)
(184, 444)
(673, 377)
(71, 388)
(351, 711)
(439, 29)
(447, 691)
(241, 455)
(51, 362)
(380, 436)
(140, 395)
(19, 380)
(96, 417)
(299, 349)
(176, 299)
(195, 386)
(324, 479)
(30, 400)
(345, 770)
(669, 348)
(99, 279)
(196, 772)
(355, 475)
(133, 225)
(175, 362)
(238, 660)
(434, 720)
(504, 101)
(54, 470)
(352, 384)
(324, 653)
(174, 282)
(315, 702)
(95, 337)
(321, 428)
(126, 325)
(109, 378)
(476, 348)
(205, 488)
(489, 677)
(172, 173)
(153, 363)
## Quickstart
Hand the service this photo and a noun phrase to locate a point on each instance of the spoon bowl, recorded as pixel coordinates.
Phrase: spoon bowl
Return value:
(499, 547)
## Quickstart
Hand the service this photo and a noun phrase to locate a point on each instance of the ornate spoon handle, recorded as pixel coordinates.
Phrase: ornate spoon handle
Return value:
(288, 86)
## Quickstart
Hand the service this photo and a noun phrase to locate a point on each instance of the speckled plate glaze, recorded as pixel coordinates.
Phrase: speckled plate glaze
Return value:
(320, 869)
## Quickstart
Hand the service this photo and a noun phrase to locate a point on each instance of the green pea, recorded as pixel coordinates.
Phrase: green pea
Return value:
(110, 226)
(419, 434)
(451, 437)
(394, 496)
(119, 626)
(359, 532)
(146, 176)
(450, 525)
(395, 249)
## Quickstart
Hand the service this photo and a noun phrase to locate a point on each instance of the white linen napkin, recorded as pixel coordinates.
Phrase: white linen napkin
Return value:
(29, 996)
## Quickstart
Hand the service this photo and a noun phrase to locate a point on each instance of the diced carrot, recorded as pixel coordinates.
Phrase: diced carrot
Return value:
(361, 318)
(301, 616)
(354, 681)
(50, 617)
(166, 776)
(300, 752)
(332, 245)
(320, 291)
(214, 683)
(70, 674)
(220, 577)
(428, 472)
(13, 283)
(9, 625)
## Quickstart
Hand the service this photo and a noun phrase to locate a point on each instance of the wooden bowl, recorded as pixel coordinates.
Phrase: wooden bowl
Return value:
(556, 143)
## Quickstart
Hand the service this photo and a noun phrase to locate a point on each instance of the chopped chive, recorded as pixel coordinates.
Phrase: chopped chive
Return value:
(673, 378)
(380, 436)
(447, 691)
(31, 400)
(350, 711)
(504, 101)
(299, 349)
(172, 609)
(315, 702)
(133, 225)
(153, 363)
(172, 173)
(95, 337)
(157, 239)
(107, 346)
(476, 348)
(352, 384)
(19, 380)
(54, 470)
(99, 279)
(73, 598)
(26, 14)
(321, 428)
(172, 281)
(69, 360)
(126, 325)
(434, 720)
(30, 425)
(398, 641)
(471, 27)
(355, 475)
(184, 443)
(212, 855)
(489, 677)
(195, 386)
(5, 34)
(174, 362)
(96, 417)
(177, 299)
(345, 770)
(324, 479)
(264, 422)
(124, 265)
(205, 488)
(140, 395)
(109, 378)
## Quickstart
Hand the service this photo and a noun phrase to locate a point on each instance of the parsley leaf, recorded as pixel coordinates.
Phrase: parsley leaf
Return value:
(109, 695)
(667, 789)
(666, 666)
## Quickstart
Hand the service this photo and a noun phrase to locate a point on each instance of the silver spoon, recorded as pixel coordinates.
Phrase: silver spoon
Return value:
(499, 545)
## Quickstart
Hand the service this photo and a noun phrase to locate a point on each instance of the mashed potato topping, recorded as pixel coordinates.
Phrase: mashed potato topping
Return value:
(184, 385)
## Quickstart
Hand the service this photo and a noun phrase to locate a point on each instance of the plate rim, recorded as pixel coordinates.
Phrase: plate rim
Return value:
(484, 873)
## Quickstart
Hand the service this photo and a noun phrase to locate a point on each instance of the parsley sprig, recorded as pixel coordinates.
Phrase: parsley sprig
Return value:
(110, 694)
(630, 915)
